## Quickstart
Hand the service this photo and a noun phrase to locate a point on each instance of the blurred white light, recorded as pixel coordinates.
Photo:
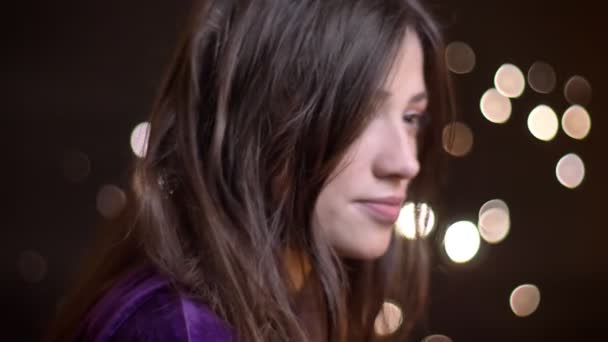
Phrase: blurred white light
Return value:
(525, 300)
(510, 81)
(457, 139)
(388, 320)
(461, 241)
(494, 225)
(543, 123)
(111, 200)
(493, 204)
(578, 91)
(494, 221)
(460, 57)
(495, 107)
(437, 338)
(542, 78)
(576, 122)
(570, 171)
(139, 139)
(32, 266)
(406, 222)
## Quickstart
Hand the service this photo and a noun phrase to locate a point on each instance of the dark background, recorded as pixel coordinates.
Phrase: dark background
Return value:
(78, 76)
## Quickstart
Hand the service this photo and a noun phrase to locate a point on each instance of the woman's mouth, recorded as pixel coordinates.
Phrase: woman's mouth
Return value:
(381, 212)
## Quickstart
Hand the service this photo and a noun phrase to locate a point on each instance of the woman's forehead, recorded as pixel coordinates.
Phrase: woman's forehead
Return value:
(406, 82)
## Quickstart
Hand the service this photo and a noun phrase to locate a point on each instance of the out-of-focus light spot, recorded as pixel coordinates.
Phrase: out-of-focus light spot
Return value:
(494, 204)
(494, 225)
(32, 266)
(570, 171)
(406, 222)
(494, 221)
(495, 107)
(510, 81)
(457, 139)
(139, 139)
(542, 78)
(524, 300)
(388, 320)
(76, 166)
(461, 241)
(460, 57)
(576, 122)
(578, 91)
(437, 338)
(111, 200)
(543, 123)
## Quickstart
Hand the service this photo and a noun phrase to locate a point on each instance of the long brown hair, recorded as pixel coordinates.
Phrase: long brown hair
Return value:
(259, 105)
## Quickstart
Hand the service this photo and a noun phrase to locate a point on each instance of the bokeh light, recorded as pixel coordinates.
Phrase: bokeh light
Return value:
(437, 338)
(111, 200)
(32, 266)
(570, 171)
(388, 320)
(461, 241)
(510, 81)
(494, 221)
(578, 91)
(460, 57)
(76, 166)
(542, 78)
(576, 122)
(495, 107)
(457, 139)
(494, 204)
(139, 139)
(525, 300)
(543, 123)
(406, 222)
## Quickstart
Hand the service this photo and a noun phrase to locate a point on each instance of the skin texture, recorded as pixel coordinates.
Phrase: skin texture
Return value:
(380, 163)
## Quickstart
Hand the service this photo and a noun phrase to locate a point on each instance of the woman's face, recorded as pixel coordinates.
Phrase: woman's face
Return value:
(358, 206)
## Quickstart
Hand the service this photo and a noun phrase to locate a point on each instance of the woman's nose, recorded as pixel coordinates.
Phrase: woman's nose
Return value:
(398, 154)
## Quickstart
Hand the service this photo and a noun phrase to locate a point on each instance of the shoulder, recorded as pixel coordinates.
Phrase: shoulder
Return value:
(143, 306)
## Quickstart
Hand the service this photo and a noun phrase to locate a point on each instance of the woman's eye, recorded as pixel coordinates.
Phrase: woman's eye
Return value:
(418, 120)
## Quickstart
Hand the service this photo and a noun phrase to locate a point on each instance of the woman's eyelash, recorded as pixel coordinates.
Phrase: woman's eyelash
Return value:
(420, 120)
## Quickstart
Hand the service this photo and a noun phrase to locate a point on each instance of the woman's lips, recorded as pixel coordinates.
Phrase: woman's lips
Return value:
(382, 212)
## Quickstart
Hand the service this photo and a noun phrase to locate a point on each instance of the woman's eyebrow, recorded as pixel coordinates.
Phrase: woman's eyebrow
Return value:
(384, 94)
(420, 97)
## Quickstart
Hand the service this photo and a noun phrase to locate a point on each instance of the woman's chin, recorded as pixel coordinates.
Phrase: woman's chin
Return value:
(366, 249)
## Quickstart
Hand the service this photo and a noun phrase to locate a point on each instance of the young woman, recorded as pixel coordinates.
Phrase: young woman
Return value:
(283, 143)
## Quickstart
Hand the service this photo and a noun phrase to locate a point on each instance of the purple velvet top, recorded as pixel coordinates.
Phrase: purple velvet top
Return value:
(143, 306)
